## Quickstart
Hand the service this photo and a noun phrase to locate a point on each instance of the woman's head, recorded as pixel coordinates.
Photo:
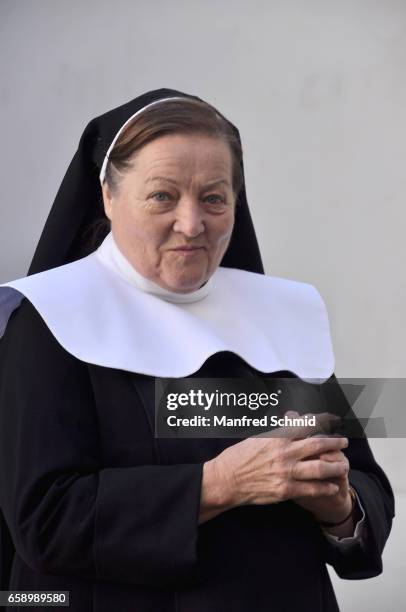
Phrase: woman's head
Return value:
(170, 189)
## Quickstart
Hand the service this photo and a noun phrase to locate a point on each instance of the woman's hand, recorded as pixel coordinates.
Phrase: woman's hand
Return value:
(274, 467)
(335, 507)
(338, 506)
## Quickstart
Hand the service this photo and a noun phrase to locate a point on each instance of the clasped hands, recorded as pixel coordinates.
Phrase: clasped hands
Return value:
(301, 464)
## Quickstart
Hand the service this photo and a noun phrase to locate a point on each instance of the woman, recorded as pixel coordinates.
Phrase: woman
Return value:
(94, 503)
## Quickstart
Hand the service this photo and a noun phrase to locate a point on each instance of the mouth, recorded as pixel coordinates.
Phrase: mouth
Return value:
(187, 249)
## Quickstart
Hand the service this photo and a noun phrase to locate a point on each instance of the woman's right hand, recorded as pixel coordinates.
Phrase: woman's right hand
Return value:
(276, 466)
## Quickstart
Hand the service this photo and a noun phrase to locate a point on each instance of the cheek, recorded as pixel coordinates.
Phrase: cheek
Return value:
(142, 228)
(222, 228)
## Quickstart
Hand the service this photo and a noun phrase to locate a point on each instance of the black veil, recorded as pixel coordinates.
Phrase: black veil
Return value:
(77, 205)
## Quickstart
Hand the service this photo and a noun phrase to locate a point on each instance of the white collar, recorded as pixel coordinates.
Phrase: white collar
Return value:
(97, 311)
(112, 257)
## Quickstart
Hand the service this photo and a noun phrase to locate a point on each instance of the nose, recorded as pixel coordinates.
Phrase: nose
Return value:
(189, 217)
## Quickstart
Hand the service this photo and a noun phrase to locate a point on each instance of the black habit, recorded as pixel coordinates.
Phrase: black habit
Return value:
(94, 504)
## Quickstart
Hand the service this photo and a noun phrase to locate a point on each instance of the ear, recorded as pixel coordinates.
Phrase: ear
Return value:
(107, 201)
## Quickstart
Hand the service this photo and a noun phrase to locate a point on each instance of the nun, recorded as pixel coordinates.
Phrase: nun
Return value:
(148, 267)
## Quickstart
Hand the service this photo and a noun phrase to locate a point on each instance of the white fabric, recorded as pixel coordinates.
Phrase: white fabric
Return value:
(99, 311)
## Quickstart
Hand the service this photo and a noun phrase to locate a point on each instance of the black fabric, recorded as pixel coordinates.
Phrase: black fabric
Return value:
(6, 553)
(97, 506)
(78, 204)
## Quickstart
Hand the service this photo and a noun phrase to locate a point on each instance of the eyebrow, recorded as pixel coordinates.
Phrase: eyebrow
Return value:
(170, 180)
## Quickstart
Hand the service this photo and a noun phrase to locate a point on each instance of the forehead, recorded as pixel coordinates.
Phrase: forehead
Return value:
(185, 153)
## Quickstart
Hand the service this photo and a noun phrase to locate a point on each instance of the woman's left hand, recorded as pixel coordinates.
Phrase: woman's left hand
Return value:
(332, 508)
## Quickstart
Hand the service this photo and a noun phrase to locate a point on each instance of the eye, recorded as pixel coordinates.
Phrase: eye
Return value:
(214, 198)
(160, 196)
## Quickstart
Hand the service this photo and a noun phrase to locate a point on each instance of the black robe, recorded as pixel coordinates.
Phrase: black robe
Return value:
(97, 506)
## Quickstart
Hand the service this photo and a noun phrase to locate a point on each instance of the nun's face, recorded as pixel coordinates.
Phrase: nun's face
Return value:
(172, 213)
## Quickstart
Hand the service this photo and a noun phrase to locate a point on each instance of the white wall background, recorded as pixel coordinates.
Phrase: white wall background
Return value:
(318, 92)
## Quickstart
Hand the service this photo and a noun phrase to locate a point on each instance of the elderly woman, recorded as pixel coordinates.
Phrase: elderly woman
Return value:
(95, 504)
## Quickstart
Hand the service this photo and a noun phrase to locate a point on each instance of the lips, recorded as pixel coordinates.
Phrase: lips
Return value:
(186, 249)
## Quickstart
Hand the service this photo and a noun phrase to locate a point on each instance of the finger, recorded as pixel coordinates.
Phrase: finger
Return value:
(291, 413)
(315, 446)
(319, 470)
(323, 435)
(340, 457)
(332, 456)
(313, 488)
(324, 423)
(329, 456)
(341, 481)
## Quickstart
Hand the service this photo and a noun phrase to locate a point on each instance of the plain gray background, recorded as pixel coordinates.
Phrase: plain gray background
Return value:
(318, 92)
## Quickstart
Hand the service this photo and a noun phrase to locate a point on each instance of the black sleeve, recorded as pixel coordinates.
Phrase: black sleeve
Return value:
(67, 514)
(372, 487)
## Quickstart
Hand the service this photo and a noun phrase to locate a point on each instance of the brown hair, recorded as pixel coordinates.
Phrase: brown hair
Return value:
(185, 116)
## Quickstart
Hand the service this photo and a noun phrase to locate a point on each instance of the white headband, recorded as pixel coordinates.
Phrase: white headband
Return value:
(106, 158)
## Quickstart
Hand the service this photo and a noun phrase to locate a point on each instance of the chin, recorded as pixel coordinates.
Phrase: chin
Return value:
(186, 284)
